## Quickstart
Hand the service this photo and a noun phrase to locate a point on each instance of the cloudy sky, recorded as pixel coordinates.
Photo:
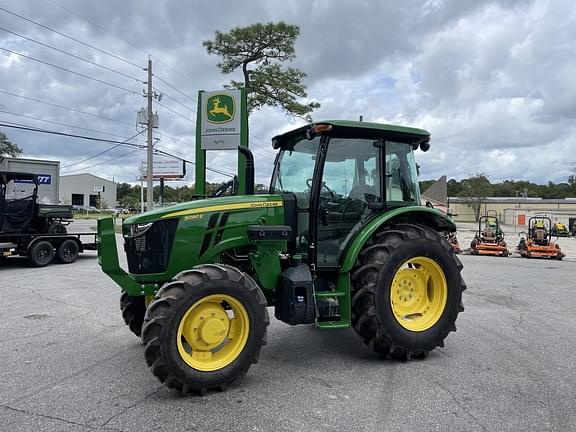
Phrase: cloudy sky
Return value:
(494, 81)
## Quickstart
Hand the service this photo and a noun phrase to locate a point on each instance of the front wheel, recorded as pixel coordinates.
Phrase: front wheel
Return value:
(133, 310)
(407, 291)
(205, 328)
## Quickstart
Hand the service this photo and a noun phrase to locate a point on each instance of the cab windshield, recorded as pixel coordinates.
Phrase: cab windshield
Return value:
(352, 170)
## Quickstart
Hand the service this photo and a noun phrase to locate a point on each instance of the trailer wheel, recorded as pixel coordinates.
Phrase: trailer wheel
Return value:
(67, 252)
(205, 328)
(407, 291)
(41, 254)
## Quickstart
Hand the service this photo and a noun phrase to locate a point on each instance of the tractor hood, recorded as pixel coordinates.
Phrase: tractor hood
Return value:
(241, 202)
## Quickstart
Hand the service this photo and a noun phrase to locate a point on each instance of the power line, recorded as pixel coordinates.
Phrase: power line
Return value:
(102, 152)
(176, 100)
(175, 112)
(61, 124)
(131, 45)
(71, 38)
(71, 55)
(65, 107)
(70, 71)
(182, 74)
(123, 143)
(106, 161)
(174, 88)
(164, 134)
(70, 11)
(89, 138)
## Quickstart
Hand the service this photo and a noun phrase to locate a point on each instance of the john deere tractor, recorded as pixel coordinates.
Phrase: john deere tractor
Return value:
(340, 241)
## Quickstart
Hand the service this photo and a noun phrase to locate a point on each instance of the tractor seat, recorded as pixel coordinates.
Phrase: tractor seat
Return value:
(540, 234)
(489, 233)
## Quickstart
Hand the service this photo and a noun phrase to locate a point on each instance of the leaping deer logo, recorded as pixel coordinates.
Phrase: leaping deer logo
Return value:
(222, 111)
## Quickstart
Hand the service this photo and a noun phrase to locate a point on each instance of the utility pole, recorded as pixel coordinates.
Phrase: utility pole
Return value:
(150, 183)
(141, 186)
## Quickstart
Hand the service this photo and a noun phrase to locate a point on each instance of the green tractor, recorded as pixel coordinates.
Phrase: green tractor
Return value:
(340, 240)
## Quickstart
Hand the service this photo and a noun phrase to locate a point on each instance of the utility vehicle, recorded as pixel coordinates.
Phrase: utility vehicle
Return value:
(37, 231)
(340, 241)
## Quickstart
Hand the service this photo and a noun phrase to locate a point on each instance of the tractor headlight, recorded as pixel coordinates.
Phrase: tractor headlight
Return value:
(137, 230)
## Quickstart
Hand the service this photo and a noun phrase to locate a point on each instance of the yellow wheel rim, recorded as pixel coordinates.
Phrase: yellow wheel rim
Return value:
(418, 294)
(148, 299)
(213, 332)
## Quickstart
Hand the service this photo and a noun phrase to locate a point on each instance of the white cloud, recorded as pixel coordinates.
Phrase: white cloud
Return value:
(492, 81)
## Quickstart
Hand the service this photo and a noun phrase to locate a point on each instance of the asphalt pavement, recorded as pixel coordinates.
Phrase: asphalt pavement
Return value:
(68, 363)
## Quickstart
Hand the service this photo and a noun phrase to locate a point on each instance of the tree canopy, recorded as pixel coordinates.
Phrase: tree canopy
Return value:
(129, 196)
(474, 191)
(8, 148)
(259, 50)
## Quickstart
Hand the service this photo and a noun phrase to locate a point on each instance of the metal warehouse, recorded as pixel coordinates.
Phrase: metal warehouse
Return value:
(87, 190)
(517, 211)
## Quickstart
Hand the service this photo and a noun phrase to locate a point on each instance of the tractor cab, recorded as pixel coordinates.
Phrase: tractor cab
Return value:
(338, 175)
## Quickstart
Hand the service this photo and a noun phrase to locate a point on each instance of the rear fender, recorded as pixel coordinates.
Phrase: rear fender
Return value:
(433, 218)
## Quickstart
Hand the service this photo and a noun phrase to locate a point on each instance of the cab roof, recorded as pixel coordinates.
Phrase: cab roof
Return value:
(358, 129)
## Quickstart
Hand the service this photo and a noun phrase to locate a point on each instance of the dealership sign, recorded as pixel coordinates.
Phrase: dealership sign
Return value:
(221, 120)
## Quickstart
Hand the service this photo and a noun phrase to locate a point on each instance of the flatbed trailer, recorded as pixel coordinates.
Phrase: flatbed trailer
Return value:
(42, 249)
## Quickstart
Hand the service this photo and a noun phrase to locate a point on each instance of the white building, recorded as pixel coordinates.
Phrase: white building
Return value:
(87, 190)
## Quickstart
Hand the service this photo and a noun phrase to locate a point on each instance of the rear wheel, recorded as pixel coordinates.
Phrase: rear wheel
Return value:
(205, 328)
(67, 252)
(407, 291)
(41, 254)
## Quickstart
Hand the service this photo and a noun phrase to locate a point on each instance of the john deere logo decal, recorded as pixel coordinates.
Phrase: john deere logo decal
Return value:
(220, 108)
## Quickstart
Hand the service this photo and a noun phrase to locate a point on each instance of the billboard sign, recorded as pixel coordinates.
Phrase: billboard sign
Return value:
(221, 120)
(166, 168)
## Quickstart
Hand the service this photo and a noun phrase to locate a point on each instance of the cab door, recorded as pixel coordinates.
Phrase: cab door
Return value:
(350, 180)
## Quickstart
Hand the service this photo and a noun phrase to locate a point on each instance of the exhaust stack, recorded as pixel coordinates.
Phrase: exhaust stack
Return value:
(248, 170)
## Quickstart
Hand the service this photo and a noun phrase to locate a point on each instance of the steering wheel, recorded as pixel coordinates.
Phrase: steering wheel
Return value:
(324, 187)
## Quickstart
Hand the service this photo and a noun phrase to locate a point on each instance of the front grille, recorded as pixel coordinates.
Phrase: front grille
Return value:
(149, 251)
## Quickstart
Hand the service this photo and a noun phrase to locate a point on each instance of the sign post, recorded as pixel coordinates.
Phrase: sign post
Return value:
(222, 124)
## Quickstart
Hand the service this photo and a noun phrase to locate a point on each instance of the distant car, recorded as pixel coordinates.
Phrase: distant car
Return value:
(80, 208)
